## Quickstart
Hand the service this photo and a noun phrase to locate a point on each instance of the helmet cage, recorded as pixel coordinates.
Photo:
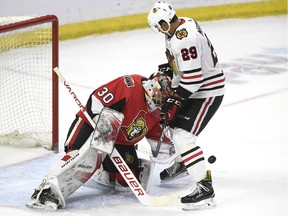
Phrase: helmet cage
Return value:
(157, 88)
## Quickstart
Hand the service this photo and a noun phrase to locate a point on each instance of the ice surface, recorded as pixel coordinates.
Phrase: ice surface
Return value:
(248, 135)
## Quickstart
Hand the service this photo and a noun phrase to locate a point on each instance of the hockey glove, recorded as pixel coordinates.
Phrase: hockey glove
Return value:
(170, 109)
(165, 68)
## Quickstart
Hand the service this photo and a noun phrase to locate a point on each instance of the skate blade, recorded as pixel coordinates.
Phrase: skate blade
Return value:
(204, 204)
(47, 207)
(175, 178)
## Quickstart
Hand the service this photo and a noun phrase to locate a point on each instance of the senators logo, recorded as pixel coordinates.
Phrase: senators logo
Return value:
(137, 129)
(180, 34)
(129, 158)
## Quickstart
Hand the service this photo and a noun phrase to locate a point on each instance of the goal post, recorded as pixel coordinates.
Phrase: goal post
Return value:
(28, 86)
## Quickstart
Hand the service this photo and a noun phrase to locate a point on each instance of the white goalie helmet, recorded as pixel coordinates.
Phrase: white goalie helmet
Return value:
(157, 88)
(160, 11)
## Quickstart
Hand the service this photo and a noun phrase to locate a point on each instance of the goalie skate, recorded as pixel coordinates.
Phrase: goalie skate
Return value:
(44, 200)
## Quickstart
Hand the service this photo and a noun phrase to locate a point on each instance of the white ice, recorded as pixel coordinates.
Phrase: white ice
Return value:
(248, 135)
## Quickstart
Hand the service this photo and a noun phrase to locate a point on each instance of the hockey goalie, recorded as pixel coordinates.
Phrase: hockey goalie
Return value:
(125, 110)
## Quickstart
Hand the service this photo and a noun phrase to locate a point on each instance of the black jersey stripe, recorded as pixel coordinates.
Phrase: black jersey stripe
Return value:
(190, 151)
(188, 83)
(192, 71)
(194, 162)
(213, 77)
(210, 89)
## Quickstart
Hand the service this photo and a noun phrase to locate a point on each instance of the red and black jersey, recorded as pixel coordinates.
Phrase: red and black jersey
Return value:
(127, 95)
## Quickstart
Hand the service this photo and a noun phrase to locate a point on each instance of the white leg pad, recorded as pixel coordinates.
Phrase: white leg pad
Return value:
(102, 177)
(74, 170)
(146, 173)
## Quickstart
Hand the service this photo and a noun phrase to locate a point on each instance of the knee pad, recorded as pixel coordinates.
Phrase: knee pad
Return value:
(183, 139)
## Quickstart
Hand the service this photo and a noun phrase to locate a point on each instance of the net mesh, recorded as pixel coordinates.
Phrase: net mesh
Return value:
(26, 84)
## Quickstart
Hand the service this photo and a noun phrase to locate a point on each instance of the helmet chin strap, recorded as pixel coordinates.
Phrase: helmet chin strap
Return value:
(167, 31)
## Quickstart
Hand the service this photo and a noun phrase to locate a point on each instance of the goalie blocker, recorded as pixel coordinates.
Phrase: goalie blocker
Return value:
(103, 139)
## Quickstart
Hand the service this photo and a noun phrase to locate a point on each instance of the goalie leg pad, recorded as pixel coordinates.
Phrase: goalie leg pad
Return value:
(146, 169)
(113, 180)
(102, 177)
(71, 172)
(78, 169)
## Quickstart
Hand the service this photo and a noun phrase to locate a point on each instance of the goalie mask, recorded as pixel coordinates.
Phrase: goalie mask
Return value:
(157, 88)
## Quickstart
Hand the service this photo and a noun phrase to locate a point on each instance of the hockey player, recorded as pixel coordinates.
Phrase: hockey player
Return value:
(199, 80)
(139, 100)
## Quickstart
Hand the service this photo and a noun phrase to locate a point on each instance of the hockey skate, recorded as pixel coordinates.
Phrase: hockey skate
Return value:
(43, 198)
(176, 171)
(201, 197)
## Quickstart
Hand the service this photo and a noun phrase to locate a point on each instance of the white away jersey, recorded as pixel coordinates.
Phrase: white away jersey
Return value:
(200, 75)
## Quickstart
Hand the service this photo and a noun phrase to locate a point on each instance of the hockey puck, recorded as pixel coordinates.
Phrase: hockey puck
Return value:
(211, 159)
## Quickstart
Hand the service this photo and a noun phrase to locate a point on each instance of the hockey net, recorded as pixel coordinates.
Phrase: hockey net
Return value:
(28, 86)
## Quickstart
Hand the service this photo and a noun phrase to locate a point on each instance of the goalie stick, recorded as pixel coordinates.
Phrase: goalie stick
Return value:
(143, 197)
(158, 146)
(156, 152)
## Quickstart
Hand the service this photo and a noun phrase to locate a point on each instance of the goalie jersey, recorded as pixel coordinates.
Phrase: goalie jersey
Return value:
(126, 95)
